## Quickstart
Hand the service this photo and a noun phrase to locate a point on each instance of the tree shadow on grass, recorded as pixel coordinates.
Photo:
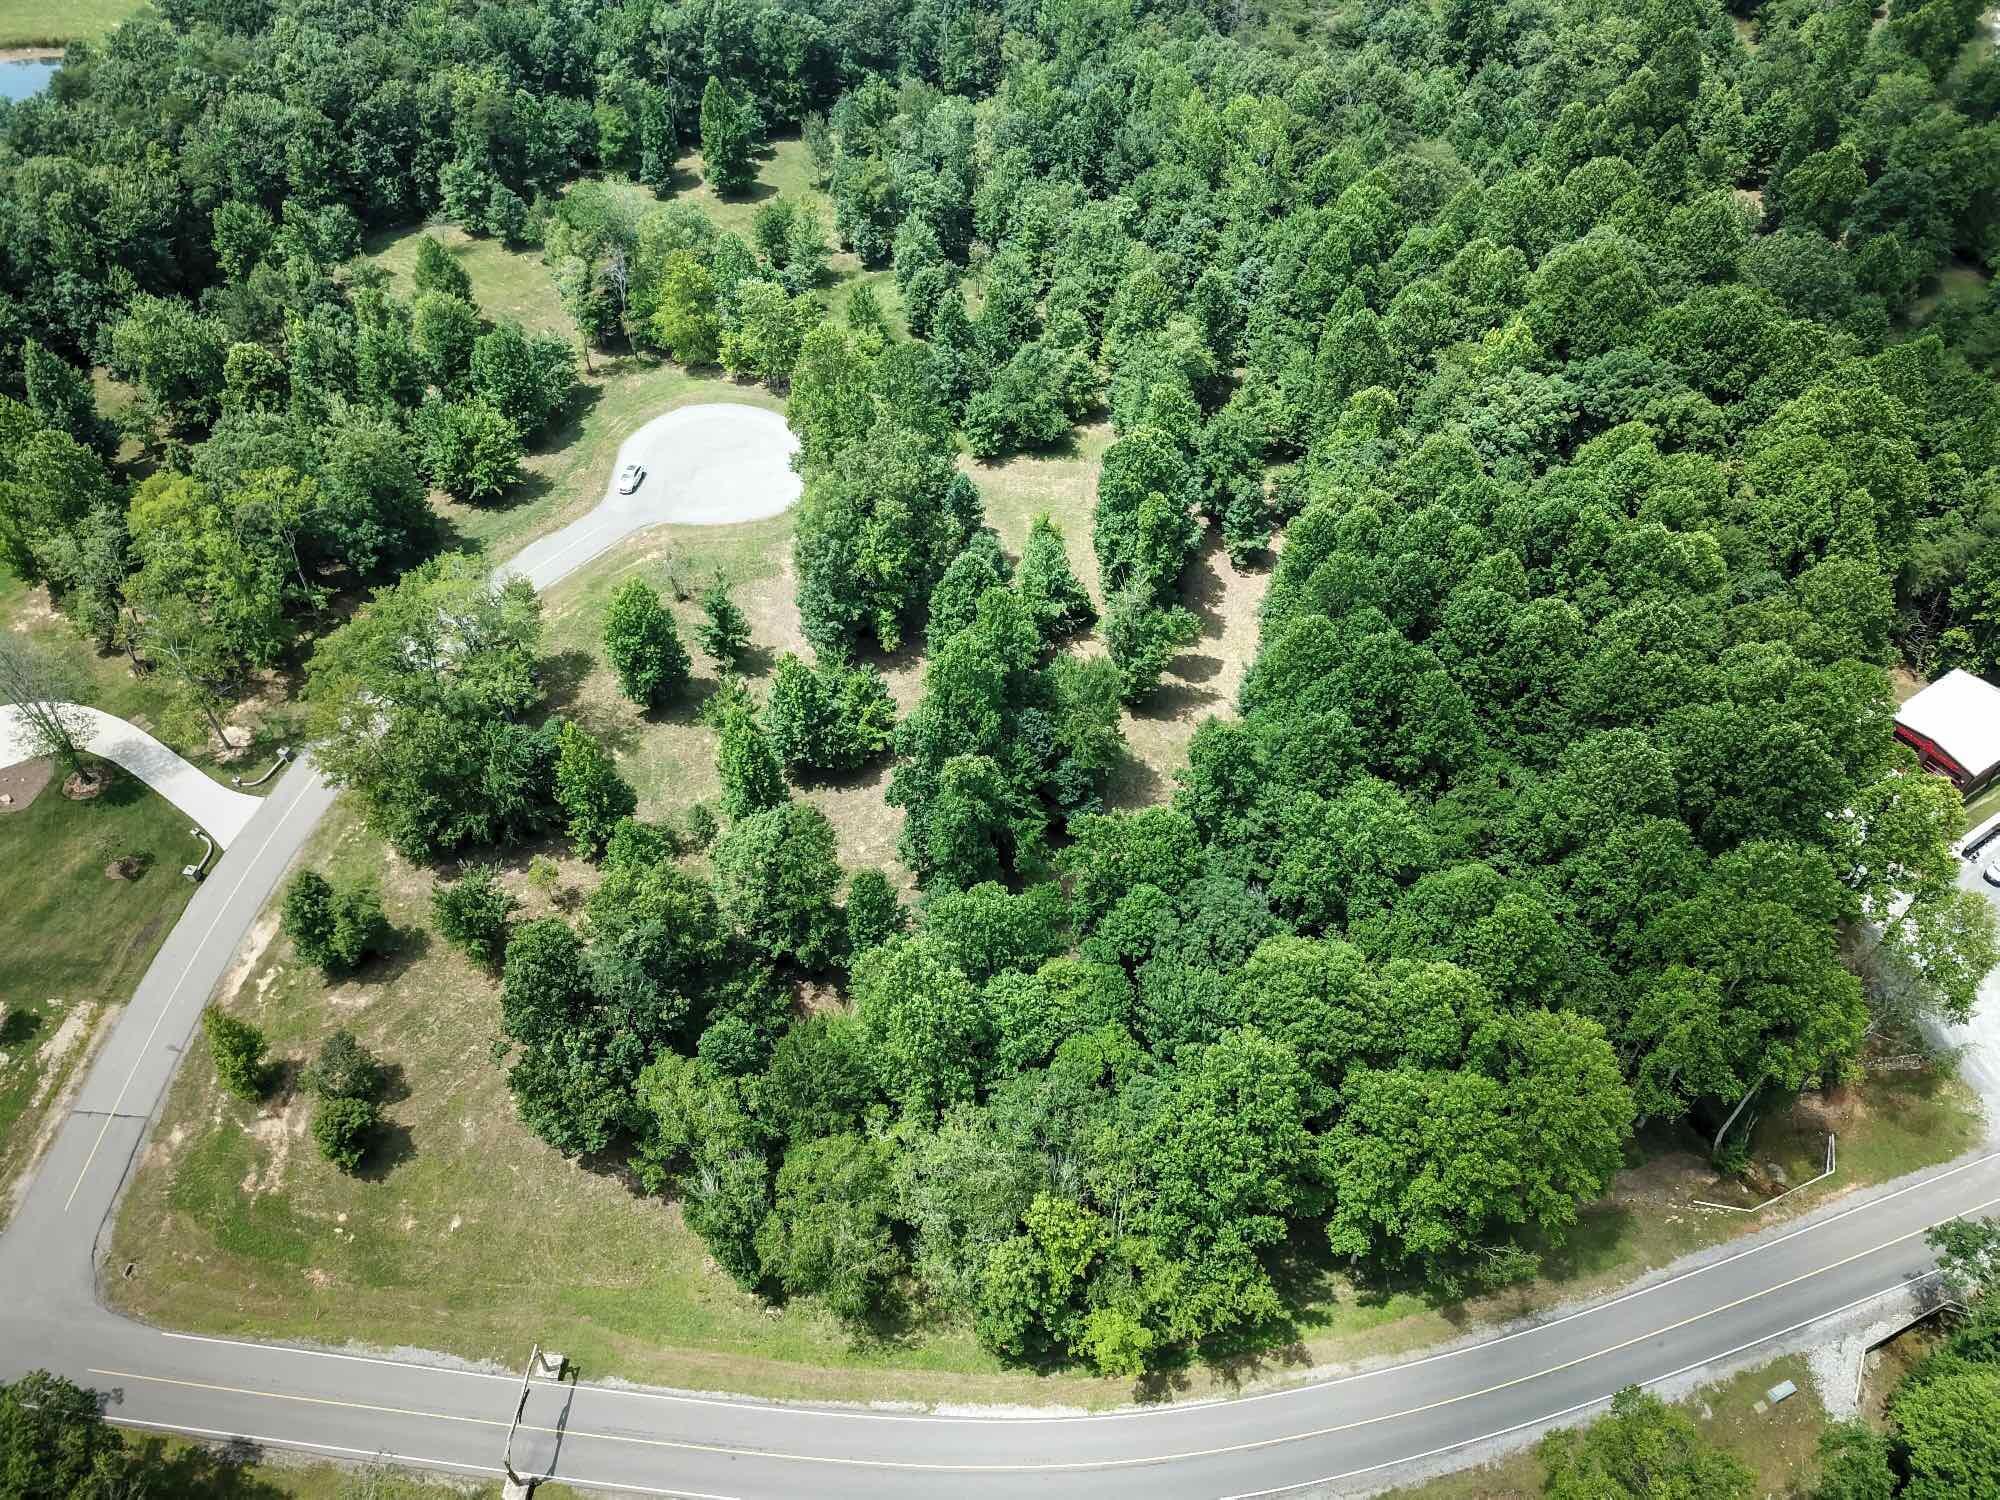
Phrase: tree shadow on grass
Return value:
(388, 1148)
(407, 947)
(120, 789)
(395, 1086)
(213, 1473)
(563, 675)
(1131, 783)
(756, 192)
(684, 709)
(568, 428)
(755, 661)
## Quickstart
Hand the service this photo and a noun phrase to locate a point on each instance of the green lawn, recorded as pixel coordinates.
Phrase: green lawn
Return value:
(76, 939)
(41, 23)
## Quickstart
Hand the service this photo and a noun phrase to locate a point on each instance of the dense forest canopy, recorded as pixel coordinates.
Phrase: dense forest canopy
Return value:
(1581, 366)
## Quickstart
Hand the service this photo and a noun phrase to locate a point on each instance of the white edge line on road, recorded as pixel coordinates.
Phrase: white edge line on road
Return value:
(173, 993)
(360, 1359)
(751, 1403)
(1570, 1411)
(407, 1458)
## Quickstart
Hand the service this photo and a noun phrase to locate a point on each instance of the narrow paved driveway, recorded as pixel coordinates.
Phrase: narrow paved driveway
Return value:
(223, 812)
(710, 465)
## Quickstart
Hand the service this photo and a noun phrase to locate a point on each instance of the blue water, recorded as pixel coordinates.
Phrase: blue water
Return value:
(23, 80)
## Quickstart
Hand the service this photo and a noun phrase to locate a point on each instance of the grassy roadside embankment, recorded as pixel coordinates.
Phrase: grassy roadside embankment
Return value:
(77, 940)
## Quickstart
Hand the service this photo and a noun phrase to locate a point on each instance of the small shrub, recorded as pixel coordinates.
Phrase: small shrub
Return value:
(725, 634)
(472, 913)
(344, 1069)
(334, 927)
(701, 827)
(342, 1129)
(237, 1049)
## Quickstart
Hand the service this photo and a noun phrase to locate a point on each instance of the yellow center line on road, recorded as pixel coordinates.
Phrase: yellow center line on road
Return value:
(686, 1445)
(167, 1004)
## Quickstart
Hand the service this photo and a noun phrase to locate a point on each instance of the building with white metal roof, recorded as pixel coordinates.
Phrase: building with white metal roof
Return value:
(1954, 726)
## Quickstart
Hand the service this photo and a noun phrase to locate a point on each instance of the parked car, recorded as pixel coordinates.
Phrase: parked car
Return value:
(1991, 870)
(630, 478)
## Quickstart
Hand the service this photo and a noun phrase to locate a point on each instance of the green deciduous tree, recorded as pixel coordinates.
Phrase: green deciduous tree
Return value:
(728, 133)
(685, 320)
(55, 1443)
(828, 717)
(777, 879)
(1644, 1449)
(419, 703)
(471, 450)
(61, 395)
(591, 793)
(528, 378)
(753, 780)
(925, 1025)
(643, 645)
(334, 926)
(1143, 639)
(830, 1230)
(237, 1050)
(473, 913)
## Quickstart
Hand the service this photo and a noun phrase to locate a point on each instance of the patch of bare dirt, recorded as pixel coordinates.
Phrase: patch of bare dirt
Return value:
(52, 1054)
(1834, 1111)
(277, 1131)
(247, 956)
(21, 784)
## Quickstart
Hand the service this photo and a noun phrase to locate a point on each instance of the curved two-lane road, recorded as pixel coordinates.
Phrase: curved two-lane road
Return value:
(1345, 1433)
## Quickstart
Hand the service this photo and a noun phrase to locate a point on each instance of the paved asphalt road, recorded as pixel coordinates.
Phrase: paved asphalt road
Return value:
(1343, 1434)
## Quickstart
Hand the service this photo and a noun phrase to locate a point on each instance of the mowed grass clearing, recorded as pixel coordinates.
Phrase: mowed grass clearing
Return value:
(39, 23)
(77, 940)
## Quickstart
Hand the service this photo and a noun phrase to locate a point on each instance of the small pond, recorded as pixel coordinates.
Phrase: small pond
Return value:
(23, 78)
